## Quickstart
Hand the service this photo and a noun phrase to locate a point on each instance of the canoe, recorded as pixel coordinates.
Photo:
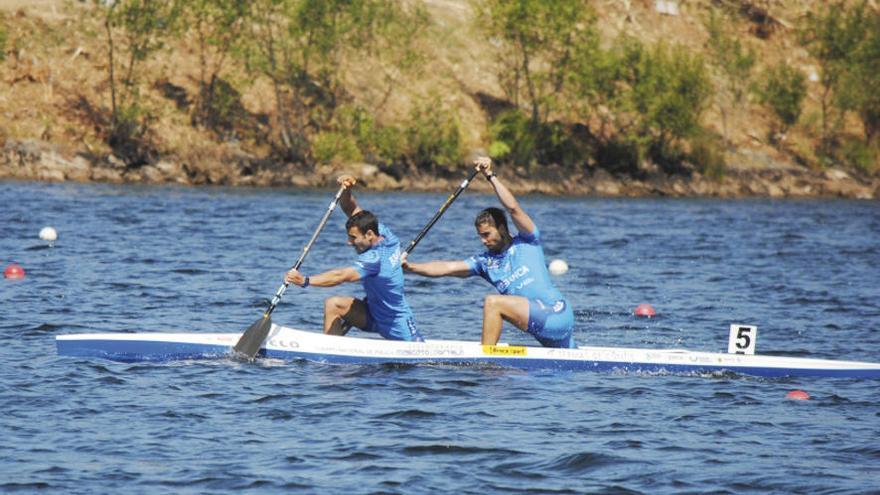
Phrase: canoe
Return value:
(290, 344)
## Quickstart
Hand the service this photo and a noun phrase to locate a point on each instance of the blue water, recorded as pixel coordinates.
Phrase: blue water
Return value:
(179, 259)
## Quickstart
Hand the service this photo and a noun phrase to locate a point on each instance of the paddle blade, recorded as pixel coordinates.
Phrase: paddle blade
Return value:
(249, 343)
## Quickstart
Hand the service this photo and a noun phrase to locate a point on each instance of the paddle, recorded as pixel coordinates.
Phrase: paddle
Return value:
(253, 337)
(441, 211)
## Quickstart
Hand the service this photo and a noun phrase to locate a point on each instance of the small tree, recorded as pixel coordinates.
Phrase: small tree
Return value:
(303, 46)
(433, 136)
(667, 95)
(134, 30)
(218, 26)
(832, 35)
(594, 82)
(858, 91)
(733, 62)
(3, 37)
(540, 42)
(783, 91)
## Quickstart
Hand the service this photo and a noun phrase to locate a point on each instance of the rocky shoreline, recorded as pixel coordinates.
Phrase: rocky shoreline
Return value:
(41, 161)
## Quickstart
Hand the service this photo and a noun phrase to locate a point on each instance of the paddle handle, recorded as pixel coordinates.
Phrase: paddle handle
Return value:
(306, 249)
(452, 197)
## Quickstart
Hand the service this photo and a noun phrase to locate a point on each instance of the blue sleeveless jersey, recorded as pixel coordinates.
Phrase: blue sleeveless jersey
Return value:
(518, 271)
(382, 278)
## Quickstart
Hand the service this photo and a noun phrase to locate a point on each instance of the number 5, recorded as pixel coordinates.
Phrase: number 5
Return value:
(742, 339)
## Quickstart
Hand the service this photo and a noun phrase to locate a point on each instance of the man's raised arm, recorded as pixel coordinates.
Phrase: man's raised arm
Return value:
(521, 219)
(347, 202)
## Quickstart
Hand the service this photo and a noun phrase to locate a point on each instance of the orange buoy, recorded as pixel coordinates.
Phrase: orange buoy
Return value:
(645, 310)
(13, 271)
(797, 395)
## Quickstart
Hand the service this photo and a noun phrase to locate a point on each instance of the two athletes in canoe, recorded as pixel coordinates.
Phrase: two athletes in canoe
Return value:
(514, 264)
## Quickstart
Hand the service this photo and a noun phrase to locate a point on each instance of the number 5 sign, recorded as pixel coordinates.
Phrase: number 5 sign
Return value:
(742, 339)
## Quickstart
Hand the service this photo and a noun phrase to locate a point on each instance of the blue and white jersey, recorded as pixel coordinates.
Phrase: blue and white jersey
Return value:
(382, 277)
(520, 270)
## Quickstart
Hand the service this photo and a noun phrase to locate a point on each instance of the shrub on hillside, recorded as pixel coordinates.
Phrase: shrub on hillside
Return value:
(134, 31)
(783, 90)
(433, 137)
(858, 92)
(859, 155)
(222, 110)
(377, 143)
(667, 92)
(308, 48)
(707, 154)
(733, 61)
(513, 138)
(4, 36)
(335, 147)
(538, 44)
(518, 139)
(832, 34)
(220, 33)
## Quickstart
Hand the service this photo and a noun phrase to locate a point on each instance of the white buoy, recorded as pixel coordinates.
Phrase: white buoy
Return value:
(48, 234)
(558, 267)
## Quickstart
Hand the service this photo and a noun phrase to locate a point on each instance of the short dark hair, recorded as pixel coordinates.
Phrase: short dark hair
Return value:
(492, 216)
(364, 221)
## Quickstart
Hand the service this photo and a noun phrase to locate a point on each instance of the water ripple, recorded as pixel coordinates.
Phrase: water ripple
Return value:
(169, 259)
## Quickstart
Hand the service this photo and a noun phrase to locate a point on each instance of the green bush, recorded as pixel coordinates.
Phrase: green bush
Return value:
(783, 91)
(859, 155)
(833, 34)
(540, 44)
(733, 60)
(513, 138)
(335, 147)
(221, 108)
(707, 153)
(858, 91)
(377, 143)
(433, 137)
(518, 139)
(310, 48)
(4, 38)
(668, 90)
(385, 145)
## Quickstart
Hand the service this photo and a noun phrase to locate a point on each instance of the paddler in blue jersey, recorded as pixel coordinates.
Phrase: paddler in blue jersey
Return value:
(515, 266)
(384, 310)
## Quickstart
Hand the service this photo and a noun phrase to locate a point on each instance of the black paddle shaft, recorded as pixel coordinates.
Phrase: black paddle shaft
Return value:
(306, 249)
(252, 338)
(452, 197)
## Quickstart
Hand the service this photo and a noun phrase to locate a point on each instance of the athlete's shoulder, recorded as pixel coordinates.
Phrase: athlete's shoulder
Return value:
(369, 256)
(481, 257)
(385, 232)
(478, 263)
(533, 237)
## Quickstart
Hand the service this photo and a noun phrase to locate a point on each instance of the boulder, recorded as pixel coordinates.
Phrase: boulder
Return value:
(102, 174)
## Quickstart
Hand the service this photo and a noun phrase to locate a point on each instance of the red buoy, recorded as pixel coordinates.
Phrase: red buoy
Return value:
(13, 271)
(644, 310)
(797, 395)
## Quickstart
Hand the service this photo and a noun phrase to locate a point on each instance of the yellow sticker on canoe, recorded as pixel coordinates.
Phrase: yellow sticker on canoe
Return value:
(504, 350)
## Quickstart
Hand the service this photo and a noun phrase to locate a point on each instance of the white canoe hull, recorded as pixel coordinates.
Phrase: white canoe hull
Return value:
(291, 344)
